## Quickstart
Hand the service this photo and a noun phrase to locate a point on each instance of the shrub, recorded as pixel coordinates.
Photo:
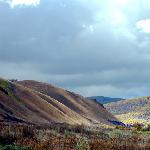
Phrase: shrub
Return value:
(137, 126)
(122, 127)
(82, 144)
(120, 134)
(12, 147)
(147, 128)
(67, 134)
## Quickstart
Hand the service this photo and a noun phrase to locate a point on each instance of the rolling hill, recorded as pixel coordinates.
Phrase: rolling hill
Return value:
(41, 103)
(104, 100)
(131, 110)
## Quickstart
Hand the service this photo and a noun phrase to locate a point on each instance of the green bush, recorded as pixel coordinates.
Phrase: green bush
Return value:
(12, 147)
(82, 144)
(120, 134)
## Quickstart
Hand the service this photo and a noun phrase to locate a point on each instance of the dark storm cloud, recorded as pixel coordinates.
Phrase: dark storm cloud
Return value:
(92, 47)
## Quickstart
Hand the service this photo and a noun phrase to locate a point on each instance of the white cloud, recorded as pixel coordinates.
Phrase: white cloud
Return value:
(14, 3)
(122, 2)
(88, 27)
(144, 25)
(118, 18)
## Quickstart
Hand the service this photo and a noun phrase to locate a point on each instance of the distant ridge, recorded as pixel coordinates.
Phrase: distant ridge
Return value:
(104, 100)
(131, 110)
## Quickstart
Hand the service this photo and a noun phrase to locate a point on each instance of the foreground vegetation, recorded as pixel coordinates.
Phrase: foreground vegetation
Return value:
(12, 147)
(77, 137)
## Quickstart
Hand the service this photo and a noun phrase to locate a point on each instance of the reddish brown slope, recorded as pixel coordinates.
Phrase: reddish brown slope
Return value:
(35, 102)
(87, 108)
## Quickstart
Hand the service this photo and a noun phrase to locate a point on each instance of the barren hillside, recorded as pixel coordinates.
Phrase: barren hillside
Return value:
(39, 103)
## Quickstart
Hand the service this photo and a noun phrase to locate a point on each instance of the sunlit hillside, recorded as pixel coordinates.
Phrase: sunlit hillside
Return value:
(131, 110)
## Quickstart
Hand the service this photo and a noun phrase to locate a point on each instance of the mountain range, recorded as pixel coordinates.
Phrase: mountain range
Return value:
(104, 100)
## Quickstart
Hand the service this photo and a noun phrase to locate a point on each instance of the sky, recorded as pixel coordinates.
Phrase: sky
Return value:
(91, 47)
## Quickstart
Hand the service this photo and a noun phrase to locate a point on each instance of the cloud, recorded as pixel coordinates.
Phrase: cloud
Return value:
(109, 90)
(144, 25)
(14, 3)
(91, 47)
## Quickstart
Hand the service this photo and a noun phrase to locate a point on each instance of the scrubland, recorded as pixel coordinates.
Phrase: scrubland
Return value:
(73, 137)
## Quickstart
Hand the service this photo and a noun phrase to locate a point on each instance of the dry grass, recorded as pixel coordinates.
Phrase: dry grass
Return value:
(67, 137)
